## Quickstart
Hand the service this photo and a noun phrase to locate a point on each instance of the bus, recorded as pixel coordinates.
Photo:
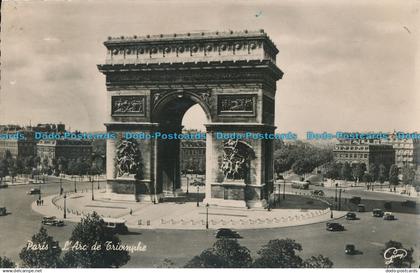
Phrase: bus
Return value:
(303, 185)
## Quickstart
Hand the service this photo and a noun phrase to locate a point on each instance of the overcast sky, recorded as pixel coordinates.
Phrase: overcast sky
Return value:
(349, 65)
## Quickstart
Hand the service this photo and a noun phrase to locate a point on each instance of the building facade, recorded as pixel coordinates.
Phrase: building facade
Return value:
(407, 151)
(361, 152)
(17, 140)
(67, 149)
(193, 156)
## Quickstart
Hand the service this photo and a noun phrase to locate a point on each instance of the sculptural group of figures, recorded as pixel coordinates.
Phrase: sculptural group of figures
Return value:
(128, 159)
(236, 156)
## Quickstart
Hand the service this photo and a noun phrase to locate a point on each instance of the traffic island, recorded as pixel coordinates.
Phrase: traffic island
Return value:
(178, 215)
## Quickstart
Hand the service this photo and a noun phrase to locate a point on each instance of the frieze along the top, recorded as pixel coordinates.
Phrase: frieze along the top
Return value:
(200, 46)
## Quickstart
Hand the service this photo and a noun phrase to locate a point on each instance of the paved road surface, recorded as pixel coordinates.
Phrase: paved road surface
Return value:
(368, 234)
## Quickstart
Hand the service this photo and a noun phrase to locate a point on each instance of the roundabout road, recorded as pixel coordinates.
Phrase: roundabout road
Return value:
(368, 234)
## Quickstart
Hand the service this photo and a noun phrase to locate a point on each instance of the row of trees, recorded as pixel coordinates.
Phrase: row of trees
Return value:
(278, 253)
(357, 172)
(299, 156)
(33, 165)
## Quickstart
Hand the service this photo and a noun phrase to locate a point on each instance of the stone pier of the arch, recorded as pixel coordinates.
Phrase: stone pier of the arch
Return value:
(151, 82)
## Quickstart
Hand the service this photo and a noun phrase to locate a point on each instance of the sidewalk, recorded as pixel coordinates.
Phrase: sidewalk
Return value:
(178, 216)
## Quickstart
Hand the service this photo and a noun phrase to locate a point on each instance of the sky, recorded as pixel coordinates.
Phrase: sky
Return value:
(348, 65)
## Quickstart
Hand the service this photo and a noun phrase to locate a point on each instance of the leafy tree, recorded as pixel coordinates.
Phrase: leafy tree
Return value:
(12, 169)
(6, 263)
(333, 170)
(207, 259)
(46, 257)
(318, 262)
(397, 262)
(393, 175)
(89, 232)
(408, 174)
(225, 253)
(279, 254)
(302, 166)
(282, 253)
(367, 177)
(382, 174)
(7, 155)
(374, 171)
(346, 172)
(358, 170)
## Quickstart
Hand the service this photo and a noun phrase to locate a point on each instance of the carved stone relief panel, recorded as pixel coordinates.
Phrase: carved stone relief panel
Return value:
(128, 105)
(236, 104)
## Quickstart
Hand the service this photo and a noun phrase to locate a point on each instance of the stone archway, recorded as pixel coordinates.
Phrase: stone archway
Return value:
(151, 82)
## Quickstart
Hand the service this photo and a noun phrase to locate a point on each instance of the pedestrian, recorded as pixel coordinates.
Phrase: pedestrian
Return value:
(42, 202)
(131, 212)
(37, 202)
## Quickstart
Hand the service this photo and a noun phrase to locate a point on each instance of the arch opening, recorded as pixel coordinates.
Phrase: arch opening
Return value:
(178, 160)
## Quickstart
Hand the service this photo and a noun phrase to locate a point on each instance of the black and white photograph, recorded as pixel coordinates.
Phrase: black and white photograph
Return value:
(161, 134)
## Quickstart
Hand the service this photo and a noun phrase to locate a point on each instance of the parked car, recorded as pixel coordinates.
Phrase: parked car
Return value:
(351, 216)
(3, 211)
(409, 203)
(116, 225)
(52, 221)
(332, 226)
(350, 249)
(34, 191)
(361, 208)
(226, 233)
(389, 216)
(3, 186)
(377, 213)
(318, 192)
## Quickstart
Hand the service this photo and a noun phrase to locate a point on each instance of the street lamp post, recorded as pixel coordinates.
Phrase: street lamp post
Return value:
(61, 186)
(65, 210)
(93, 198)
(339, 200)
(207, 216)
(188, 182)
(198, 196)
(278, 198)
(336, 189)
(39, 197)
(284, 189)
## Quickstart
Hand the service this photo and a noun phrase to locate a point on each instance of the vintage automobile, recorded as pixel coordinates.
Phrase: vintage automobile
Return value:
(377, 213)
(350, 249)
(389, 216)
(226, 233)
(332, 226)
(351, 216)
(52, 221)
(116, 225)
(361, 208)
(3, 211)
(318, 192)
(34, 191)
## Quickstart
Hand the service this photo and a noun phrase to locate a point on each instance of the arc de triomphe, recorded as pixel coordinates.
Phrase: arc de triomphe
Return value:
(153, 80)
